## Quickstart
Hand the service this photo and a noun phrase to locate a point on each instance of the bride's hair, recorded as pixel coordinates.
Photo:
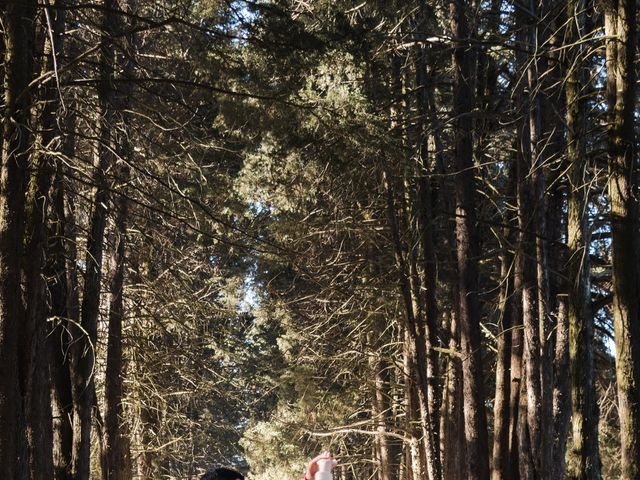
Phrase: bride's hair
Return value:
(222, 474)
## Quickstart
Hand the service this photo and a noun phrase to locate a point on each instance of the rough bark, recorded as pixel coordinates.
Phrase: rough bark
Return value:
(380, 408)
(620, 29)
(36, 357)
(452, 418)
(561, 391)
(425, 227)
(18, 23)
(61, 399)
(62, 287)
(116, 458)
(516, 373)
(415, 350)
(84, 349)
(527, 278)
(466, 249)
(584, 402)
(500, 456)
(114, 462)
(535, 298)
(525, 462)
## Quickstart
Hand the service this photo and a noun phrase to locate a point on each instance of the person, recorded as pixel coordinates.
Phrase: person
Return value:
(221, 473)
(230, 474)
(312, 468)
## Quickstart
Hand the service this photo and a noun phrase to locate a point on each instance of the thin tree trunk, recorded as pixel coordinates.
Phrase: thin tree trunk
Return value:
(466, 247)
(500, 456)
(620, 28)
(545, 150)
(84, 351)
(38, 381)
(535, 301)
(451, 434)
(531, 339)
(59, 338)
(517, 372)
(561, 391)
(380, 408)
(584, 401)
(414, 455)
(452, 418)
(416, 357)
(525, 461)
(115, 458)
(409, 285)
(424, 221)
(59, 256)
(116, 464)
(527, 283)
(63, 289)
(76, 334)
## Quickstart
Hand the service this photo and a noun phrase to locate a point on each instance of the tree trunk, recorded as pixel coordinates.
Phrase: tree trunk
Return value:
(500, 457)
(535, 295)
(37, 356)
(620, 29)
(414, 358)
(61, 399)
(380, 407)
(410, 287)
(84, 350)
(424, 222)
(527, 279)
(18, 23)
(115, 464)
(466, 247)
(525, 461)
(452, 418)
(584, 401)
(64, 311)
(517, 372)
(561, 391)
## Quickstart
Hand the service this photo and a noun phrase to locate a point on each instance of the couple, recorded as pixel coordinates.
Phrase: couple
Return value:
(229, 474)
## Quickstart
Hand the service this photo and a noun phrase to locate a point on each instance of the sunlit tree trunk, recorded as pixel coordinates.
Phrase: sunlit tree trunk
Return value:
(561, 391)
(530, 401)
(536, 298)
(36, 357)
(620, 28)
(379, 370)
(454, 466)
(584, 405)
(516, 372)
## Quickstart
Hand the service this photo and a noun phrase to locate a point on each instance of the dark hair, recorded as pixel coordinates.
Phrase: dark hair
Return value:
(222, 474)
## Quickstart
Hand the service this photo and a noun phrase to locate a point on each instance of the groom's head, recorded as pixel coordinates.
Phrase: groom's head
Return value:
(222, 474)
